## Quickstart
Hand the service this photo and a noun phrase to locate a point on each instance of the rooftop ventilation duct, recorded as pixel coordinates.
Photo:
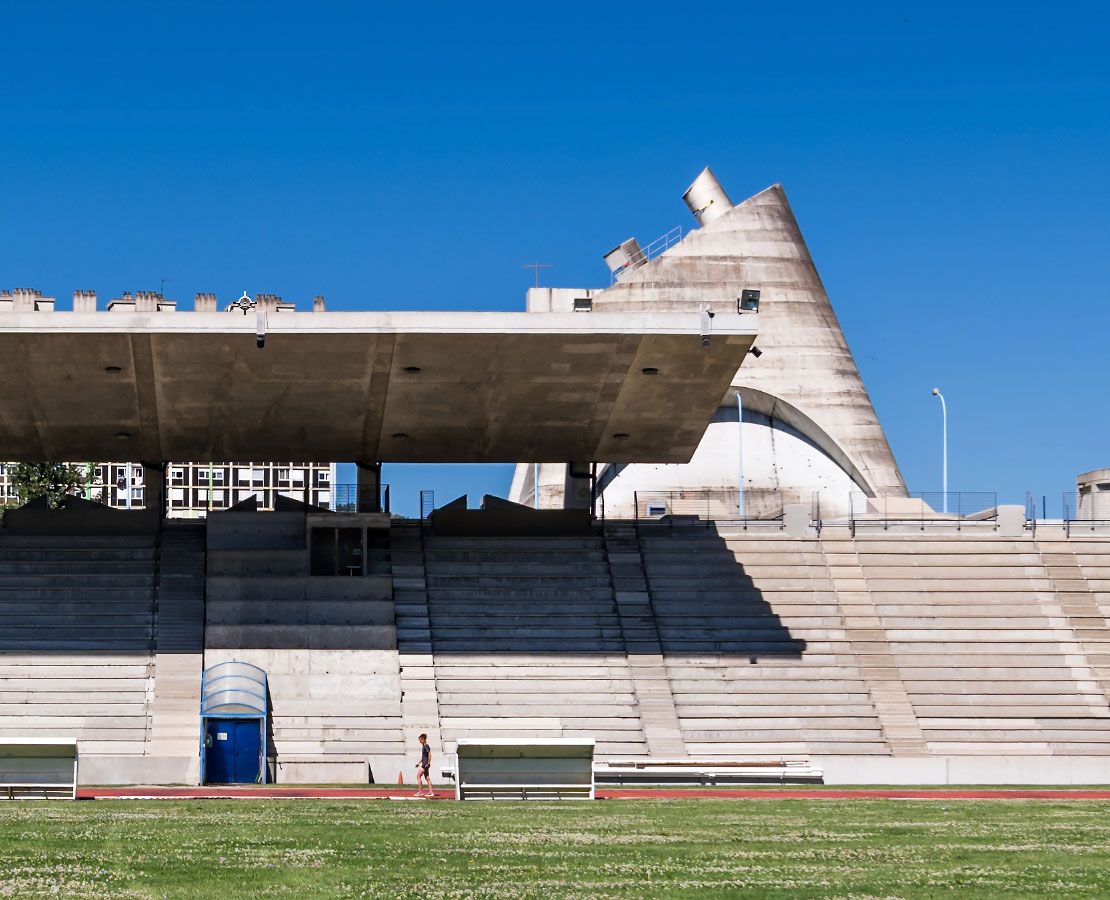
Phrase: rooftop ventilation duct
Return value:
(706, 198)
(627, 255)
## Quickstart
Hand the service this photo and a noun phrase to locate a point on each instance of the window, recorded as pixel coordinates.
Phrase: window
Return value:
(242, 476)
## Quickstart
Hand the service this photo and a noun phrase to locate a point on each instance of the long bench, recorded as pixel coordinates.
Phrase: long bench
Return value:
(38, 768)
(692, 771)
(524, 769)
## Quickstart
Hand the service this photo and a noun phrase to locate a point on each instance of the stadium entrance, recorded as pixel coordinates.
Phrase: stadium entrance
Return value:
(233, 725)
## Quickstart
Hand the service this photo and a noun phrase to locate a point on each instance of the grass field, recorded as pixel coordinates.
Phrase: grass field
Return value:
(608, 849)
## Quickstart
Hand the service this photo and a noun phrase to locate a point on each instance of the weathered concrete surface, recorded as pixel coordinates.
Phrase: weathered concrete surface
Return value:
(394, 387)
(808, 421)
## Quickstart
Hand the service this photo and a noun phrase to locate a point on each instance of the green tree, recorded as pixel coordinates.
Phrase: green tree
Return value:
(53, 479)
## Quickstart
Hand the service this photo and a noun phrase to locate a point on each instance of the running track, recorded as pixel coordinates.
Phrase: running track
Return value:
(605, 793)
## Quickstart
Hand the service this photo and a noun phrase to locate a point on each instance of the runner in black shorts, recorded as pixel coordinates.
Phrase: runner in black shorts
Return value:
(423, 768)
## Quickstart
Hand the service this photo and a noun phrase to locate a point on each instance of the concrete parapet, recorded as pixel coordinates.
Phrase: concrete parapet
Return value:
(138, 769)
(1011, 521)
(959, 770)
(796, 520)
(204, 303)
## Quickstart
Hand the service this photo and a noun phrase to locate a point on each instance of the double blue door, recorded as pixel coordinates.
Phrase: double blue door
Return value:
(233, 751)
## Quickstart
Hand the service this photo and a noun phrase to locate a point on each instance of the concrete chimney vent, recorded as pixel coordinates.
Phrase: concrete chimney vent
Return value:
(706, 198)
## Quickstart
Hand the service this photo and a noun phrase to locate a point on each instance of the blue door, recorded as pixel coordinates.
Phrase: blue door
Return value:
(233, 751)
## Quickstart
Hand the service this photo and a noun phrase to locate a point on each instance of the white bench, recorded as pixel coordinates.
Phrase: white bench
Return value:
(694, 771)
(38, 769)
(524, 769)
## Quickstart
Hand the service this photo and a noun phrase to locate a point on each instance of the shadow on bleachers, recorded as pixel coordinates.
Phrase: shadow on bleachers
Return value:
(705, 601)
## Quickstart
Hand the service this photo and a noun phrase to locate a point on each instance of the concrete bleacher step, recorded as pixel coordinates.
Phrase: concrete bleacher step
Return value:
(504, 600)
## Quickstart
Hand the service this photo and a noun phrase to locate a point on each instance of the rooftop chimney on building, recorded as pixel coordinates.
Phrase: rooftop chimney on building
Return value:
(626, 255)
(706, 198)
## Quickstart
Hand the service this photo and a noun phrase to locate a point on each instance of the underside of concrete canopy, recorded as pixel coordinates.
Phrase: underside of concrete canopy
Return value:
(378, 386)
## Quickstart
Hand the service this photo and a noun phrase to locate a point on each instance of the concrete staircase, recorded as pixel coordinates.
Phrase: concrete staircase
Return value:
(178, 662)
(76, 640)
(869, 643)
(527, 641)
(759, 660)
(419, 700)
(654, 698)
(983, 635)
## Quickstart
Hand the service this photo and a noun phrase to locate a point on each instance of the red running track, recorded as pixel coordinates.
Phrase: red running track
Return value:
(775, 793)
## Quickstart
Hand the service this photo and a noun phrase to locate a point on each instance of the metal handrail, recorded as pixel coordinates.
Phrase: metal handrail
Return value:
(345, 498)
(427, 504)
(659, 245)
(921, 507)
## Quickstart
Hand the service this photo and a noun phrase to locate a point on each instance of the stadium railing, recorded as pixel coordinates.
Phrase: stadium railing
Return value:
(345, 498)
(954, 508)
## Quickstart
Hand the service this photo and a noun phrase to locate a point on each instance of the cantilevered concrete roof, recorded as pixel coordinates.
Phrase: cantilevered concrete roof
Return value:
(368, 386)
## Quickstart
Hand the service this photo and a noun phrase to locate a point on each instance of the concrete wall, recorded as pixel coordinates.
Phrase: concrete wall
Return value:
(776, 458)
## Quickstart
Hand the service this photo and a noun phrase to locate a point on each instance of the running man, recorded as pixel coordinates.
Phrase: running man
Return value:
(423, 768)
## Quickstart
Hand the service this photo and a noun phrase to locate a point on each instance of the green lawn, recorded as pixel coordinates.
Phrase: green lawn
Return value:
(790, 849)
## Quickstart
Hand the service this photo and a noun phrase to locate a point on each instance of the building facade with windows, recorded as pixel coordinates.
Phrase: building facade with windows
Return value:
(192, 489)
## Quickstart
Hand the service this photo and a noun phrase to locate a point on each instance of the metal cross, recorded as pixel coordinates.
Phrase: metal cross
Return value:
(537, 265)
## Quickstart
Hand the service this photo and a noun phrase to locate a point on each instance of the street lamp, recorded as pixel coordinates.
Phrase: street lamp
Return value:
(740, 453)
(944, 448)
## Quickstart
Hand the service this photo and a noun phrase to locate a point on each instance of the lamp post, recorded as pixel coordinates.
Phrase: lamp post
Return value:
(740, 454)
(944, 448)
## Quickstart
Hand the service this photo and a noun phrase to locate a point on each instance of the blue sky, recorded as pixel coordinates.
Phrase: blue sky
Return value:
(947, 164)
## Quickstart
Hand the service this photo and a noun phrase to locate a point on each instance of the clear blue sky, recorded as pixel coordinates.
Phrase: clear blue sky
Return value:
(948, 166)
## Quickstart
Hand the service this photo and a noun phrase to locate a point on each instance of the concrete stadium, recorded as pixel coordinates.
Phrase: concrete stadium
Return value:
(707, 557)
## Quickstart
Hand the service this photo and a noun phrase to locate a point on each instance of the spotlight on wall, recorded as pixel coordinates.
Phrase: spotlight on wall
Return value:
(756, 352)
(707, 315)
(748, 301)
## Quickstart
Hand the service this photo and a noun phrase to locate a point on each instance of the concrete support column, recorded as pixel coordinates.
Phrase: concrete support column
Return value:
(578, 492)
(154, 488)
(369, 487)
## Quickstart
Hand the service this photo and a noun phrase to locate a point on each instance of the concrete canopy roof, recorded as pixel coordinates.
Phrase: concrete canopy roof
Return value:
(488, 386)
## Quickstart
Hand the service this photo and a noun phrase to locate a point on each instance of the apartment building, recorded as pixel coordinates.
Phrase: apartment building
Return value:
(192, 489)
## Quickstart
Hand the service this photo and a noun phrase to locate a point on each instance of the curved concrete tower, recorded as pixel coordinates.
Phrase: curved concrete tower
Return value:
(808, 423)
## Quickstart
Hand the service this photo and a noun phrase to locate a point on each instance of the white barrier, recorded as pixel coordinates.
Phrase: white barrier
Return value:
(692, 771)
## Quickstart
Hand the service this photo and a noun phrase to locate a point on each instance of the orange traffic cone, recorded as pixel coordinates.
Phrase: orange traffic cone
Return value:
(400, 777)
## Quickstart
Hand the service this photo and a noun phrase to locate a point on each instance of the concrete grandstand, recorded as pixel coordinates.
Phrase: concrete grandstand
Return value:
(710, 556)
